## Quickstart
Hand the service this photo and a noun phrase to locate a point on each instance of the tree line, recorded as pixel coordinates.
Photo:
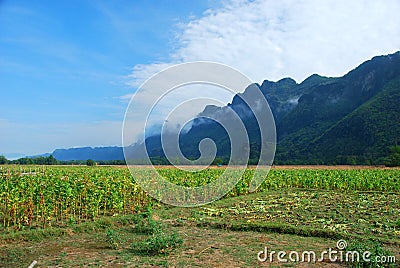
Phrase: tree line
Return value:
(392, 160)
(50, 160)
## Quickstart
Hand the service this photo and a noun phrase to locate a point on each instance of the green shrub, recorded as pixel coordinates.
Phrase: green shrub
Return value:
(157, 243)
(148, 226)
(139, 215)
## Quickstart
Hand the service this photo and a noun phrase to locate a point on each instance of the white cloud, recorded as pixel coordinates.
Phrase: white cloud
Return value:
(151, 108)
(269, 39)
(142, 72)
(275, 39)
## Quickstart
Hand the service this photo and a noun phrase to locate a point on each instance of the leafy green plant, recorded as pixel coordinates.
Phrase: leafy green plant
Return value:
(158, 243)
(113, 238)
(376, 250)
(148, 226)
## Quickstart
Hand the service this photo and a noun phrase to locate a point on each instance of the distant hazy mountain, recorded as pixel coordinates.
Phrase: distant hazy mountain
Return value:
(13, 156)
(349, 119)
(84, 153)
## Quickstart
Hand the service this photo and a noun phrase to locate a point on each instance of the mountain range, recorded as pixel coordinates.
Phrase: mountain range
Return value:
(353, 119)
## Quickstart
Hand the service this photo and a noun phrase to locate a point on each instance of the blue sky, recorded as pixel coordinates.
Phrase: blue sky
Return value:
(65, 63)
(68, 68)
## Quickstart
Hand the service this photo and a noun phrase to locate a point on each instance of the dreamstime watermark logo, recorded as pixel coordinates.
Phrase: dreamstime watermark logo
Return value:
(339, 254)
(178, 91)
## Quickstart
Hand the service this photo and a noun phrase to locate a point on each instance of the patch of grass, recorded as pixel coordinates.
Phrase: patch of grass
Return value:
(329, 214)
(376, 250)
(7, 256)
(113, 239)
(33, 234)
(158, 243)
(103, 223)
(271, 228)
(226, 233)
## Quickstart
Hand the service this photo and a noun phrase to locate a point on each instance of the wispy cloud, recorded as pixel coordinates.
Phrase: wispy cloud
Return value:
(269, 39)
(125, 97)
(141, 72)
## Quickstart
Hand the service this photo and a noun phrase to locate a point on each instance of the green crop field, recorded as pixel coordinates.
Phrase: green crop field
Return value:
(328, 203)
(56, 196)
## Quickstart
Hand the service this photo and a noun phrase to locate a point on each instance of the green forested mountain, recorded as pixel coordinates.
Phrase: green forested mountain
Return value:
(365, 134)
(352, 119)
